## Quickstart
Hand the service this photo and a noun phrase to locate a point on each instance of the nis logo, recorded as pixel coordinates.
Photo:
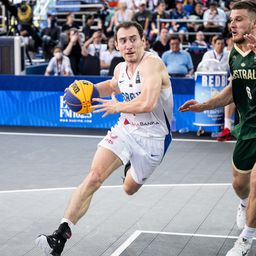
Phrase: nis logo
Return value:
(66, 113)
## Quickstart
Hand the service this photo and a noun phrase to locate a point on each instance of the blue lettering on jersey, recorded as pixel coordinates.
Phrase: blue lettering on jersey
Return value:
(130, 96)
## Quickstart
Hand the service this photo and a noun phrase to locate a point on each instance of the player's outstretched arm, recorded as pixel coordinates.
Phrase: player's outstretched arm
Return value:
(221, 100)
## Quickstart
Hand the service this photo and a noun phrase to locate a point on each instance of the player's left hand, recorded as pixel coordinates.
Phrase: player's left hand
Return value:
(109, 106)
(251, 39)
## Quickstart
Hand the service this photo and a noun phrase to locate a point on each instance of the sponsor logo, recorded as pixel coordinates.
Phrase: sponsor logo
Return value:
(68, 116)
(214, 80)
(130, 96)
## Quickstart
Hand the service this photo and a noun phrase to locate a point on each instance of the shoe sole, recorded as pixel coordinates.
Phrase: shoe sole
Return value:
(42, 243)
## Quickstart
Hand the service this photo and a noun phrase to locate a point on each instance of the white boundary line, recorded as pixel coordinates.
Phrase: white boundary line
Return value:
(93, 136)
(135, 235)
(115, 186)
(126, 244)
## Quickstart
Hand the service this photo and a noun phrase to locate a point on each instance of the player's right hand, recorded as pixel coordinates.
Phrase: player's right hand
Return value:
(191, 105)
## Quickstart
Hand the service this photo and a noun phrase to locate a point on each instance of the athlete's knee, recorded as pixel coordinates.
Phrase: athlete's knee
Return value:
(240, 185)
(129, 191)
(131, 188)
(94, 179)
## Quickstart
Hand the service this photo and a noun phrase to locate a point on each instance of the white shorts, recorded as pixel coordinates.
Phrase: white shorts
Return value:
(145, 154)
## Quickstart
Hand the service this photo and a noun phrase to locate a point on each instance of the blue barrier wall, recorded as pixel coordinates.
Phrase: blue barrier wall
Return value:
(38, 101)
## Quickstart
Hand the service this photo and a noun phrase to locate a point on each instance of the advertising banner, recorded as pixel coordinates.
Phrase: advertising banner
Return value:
(42, 108)
(208, 85)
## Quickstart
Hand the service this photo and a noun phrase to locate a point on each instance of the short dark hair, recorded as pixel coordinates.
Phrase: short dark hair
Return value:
(249, 5)
(174, 37)
(129, 24)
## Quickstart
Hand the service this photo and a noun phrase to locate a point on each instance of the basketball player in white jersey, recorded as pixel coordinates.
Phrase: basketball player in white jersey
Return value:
(141, 136)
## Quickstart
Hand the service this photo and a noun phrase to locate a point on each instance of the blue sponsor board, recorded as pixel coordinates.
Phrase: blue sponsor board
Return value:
(208, 85)
(37, 108)
(38, 101)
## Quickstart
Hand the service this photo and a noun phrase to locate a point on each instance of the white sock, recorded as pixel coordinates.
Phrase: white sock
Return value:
(248, 233)
(228, 123)
(70, 224)
(243, 202)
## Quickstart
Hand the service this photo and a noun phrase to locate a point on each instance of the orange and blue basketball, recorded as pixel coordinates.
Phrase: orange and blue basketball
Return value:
(79, 96)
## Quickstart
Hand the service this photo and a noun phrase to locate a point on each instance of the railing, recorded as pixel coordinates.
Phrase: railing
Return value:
(187, 21)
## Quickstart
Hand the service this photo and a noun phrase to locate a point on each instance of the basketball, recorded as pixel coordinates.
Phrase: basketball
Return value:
(78, 96)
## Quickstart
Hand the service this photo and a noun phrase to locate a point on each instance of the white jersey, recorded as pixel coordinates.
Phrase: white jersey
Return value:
(152, 124)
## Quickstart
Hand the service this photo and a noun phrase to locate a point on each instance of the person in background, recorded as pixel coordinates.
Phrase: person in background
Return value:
(122, 14)
(200, 41)
(214, 18)
(105, 14)
(161, 13)
(162, 45)
(107, 56)
(218, 53)
(147, 46)
(70, 23)
(143, 16)
(196, 14)
(178, 62)
(87, 30)
(59, 64)
(179, 27)
(50, 36)
(94, 46)
(73, 49)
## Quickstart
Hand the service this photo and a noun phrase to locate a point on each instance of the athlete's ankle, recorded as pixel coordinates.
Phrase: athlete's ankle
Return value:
(64, 230)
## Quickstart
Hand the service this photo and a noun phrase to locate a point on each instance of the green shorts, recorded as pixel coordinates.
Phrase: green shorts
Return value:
(244, 155)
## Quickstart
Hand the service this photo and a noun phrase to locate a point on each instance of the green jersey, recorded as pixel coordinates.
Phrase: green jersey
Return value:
(243, 71)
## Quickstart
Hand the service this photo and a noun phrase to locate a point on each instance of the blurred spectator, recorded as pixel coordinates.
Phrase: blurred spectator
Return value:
(229, 43)
(230, 4)
(50, 36)
(107, 56)
(94, 46)
(105, 14)
(196, 14)
(147, 46)
(179, 14)
(31, 38)
(177, 61)
(188, 6)
(162, 45)
(143, 16)
(159, 13)
(87, 30)
(218, 53)
(70, 23)
(59, 65)
(122, 13)
(73, 49)
(200, 41)
(214, 18)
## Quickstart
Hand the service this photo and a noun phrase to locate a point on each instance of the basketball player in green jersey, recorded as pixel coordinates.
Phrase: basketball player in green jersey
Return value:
(241, 91)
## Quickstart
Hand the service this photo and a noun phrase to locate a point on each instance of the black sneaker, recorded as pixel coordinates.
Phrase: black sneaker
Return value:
(126, 169)
(54, 244)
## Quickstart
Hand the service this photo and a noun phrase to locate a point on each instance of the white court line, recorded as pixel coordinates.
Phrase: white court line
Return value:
(126, 244)
(134, 236)
(93, 136)
(115, 186)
